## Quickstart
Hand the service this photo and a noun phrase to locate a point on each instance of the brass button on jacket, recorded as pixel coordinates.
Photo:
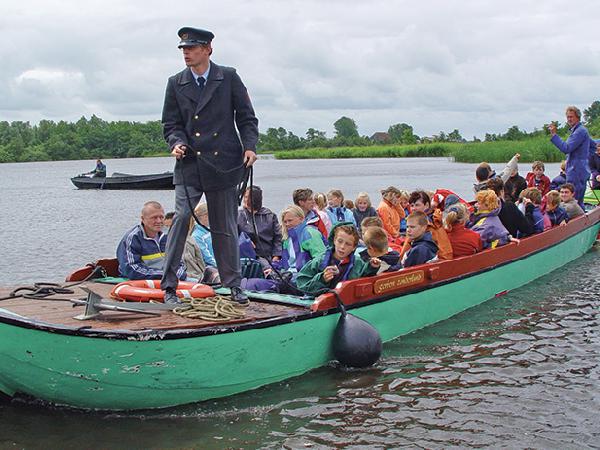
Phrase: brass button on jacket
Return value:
(197, 134)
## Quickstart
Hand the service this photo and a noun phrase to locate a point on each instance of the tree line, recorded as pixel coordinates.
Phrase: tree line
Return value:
(97, 138)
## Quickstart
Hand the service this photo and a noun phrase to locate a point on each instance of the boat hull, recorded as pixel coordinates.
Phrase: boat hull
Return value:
(95, 370)
(124, 181)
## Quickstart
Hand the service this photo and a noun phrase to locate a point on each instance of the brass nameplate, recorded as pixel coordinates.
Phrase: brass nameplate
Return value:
(399, 281)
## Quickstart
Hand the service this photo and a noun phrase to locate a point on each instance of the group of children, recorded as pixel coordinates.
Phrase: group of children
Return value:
(405, 229)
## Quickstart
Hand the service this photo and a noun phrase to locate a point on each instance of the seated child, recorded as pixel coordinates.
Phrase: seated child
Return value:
(556, 214)
(568, 202)
(301, 243)
(321, 208)
(464, 241)
(336, 264)
(561, 178)
(537, 179)
(363, 208)
(394, 243)
(486, 221)
(404, 196)
(484, 172)
(420, 202)
(422, 246)
(390, 211)
(378, 253)
(336, 210)
(531, 200)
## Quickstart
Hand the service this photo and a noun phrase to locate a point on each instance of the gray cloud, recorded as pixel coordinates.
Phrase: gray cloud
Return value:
(473, 65)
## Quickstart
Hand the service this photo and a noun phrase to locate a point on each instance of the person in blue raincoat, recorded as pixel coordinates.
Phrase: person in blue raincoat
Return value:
(578, 148)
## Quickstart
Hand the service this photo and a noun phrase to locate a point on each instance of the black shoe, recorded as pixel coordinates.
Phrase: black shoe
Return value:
(171, 297)
(237, 295)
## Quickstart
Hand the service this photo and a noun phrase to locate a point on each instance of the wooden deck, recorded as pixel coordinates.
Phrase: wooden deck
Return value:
(62, 313)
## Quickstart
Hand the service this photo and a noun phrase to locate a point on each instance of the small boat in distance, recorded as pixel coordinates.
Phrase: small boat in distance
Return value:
(125, 181)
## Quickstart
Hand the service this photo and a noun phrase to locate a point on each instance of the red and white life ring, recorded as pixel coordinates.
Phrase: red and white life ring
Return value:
(147, 290)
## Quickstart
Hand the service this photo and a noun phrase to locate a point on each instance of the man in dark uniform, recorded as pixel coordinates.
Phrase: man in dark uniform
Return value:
(210, 126)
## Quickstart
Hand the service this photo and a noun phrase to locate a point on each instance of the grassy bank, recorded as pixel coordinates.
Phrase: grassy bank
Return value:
(498, 151)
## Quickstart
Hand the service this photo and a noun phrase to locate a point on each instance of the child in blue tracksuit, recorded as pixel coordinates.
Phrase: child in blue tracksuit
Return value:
(557, 215)
(336, 211)
(531, 200)
(422, 246)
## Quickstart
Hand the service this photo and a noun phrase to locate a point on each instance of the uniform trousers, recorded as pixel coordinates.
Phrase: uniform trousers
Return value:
(222, 215)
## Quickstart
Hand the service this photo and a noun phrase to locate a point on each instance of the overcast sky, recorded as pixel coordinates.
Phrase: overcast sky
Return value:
(477, 66)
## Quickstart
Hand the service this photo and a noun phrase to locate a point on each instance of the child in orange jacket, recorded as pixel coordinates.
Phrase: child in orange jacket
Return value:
(390, 211)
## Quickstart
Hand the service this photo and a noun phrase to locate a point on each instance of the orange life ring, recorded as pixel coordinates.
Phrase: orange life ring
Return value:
(147, 290)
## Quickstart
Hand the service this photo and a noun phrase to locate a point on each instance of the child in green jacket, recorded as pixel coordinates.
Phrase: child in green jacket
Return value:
(336, 264)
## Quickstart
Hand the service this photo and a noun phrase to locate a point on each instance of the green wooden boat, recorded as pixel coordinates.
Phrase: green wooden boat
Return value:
(126, 362)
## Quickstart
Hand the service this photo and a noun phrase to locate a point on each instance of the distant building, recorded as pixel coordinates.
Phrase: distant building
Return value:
(381, 137)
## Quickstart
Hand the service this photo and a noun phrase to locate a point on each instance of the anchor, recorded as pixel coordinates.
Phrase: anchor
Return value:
(95, 304)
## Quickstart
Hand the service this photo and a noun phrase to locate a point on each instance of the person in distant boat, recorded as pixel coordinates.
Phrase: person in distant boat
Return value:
(99, 171)
(210, 126)
(578, 148)
(141, 252)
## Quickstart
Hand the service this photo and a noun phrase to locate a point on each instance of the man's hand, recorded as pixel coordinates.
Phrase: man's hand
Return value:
(552, 129)
(178, 151)
(249, 158)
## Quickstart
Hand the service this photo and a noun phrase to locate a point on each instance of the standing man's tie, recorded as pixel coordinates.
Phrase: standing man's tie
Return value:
(201, 82)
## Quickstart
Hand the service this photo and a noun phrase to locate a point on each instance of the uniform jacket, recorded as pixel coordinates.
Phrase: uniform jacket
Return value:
(543, 184)
(390, 215)
(488, 225)
(141, 257)
(269, 231)
(422, 250)
(464, 241)
(206, 123)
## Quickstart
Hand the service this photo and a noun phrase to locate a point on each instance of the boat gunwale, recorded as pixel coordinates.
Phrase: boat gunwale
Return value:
(158, 334)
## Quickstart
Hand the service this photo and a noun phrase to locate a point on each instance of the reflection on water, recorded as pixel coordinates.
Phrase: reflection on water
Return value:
(518, 371)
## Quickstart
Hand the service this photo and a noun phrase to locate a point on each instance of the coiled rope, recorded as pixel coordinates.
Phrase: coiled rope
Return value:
(213, 309)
